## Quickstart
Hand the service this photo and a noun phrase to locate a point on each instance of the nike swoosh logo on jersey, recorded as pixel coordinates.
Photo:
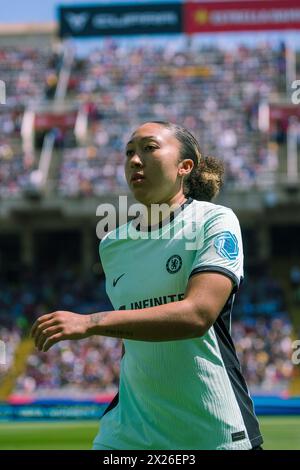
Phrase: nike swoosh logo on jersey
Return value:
(116, 280)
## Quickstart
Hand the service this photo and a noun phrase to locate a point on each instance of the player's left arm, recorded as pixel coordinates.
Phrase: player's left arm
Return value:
(205, 296)
(215, 274)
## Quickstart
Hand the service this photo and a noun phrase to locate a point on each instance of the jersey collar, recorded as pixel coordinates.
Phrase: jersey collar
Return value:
(161, 224)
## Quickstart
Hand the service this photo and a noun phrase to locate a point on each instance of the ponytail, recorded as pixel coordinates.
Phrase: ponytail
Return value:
(205, 180)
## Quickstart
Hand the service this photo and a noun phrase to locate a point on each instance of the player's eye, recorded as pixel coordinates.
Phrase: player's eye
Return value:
(129, 153)
(150, 148)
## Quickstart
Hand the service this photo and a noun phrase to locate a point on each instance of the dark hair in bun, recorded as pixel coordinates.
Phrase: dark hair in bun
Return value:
(206, 178)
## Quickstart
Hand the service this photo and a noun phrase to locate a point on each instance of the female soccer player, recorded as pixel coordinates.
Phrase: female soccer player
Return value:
(172, 282)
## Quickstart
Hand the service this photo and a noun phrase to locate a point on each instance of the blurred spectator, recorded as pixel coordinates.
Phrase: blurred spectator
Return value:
(50, 87)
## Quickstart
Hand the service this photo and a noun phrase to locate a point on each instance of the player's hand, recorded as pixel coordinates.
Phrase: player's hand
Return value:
(58, 326)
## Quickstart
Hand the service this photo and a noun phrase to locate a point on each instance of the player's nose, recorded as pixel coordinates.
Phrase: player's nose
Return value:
(136, 161)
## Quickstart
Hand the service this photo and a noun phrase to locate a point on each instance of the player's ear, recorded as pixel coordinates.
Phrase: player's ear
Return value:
(185, 167)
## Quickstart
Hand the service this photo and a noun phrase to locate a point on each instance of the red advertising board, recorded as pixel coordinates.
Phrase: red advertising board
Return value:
(209, 17)
(282, 112)
(45, 121)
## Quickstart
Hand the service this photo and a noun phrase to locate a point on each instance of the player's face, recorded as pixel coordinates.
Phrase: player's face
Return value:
(151, 167)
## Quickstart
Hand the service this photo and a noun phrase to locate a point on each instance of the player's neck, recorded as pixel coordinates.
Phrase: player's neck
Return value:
(156, 214)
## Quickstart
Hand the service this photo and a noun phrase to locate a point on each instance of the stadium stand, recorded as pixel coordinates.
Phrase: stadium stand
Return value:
(182, 86)
(31, 76)
(30, 73)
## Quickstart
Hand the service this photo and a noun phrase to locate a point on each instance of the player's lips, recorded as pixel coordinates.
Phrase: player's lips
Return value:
(137, 177)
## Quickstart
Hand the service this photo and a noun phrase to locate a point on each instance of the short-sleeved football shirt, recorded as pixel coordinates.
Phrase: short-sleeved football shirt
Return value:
(183, 394)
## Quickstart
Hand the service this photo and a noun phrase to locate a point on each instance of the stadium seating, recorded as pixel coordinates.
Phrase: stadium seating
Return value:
(211, 91)
(30, 75)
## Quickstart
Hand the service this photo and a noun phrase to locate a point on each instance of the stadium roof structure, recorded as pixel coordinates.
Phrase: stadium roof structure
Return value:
(28, 34)
(49, 27)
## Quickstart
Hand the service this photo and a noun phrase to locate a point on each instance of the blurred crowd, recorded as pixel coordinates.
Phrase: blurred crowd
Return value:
(264, 347)
(30, 76)
(261, 333)
(11, 337)
(23, 301)
(16, 171)
(90, 366)
(86, 172)
(214, 92)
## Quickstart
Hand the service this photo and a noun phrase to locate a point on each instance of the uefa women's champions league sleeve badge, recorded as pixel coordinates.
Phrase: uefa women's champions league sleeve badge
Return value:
(226, 245)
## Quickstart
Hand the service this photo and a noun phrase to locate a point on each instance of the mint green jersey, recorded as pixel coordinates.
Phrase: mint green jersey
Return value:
(184, 394)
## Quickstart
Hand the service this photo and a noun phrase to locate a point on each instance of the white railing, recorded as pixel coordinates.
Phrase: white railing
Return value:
(45, 158)
(64, 75)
